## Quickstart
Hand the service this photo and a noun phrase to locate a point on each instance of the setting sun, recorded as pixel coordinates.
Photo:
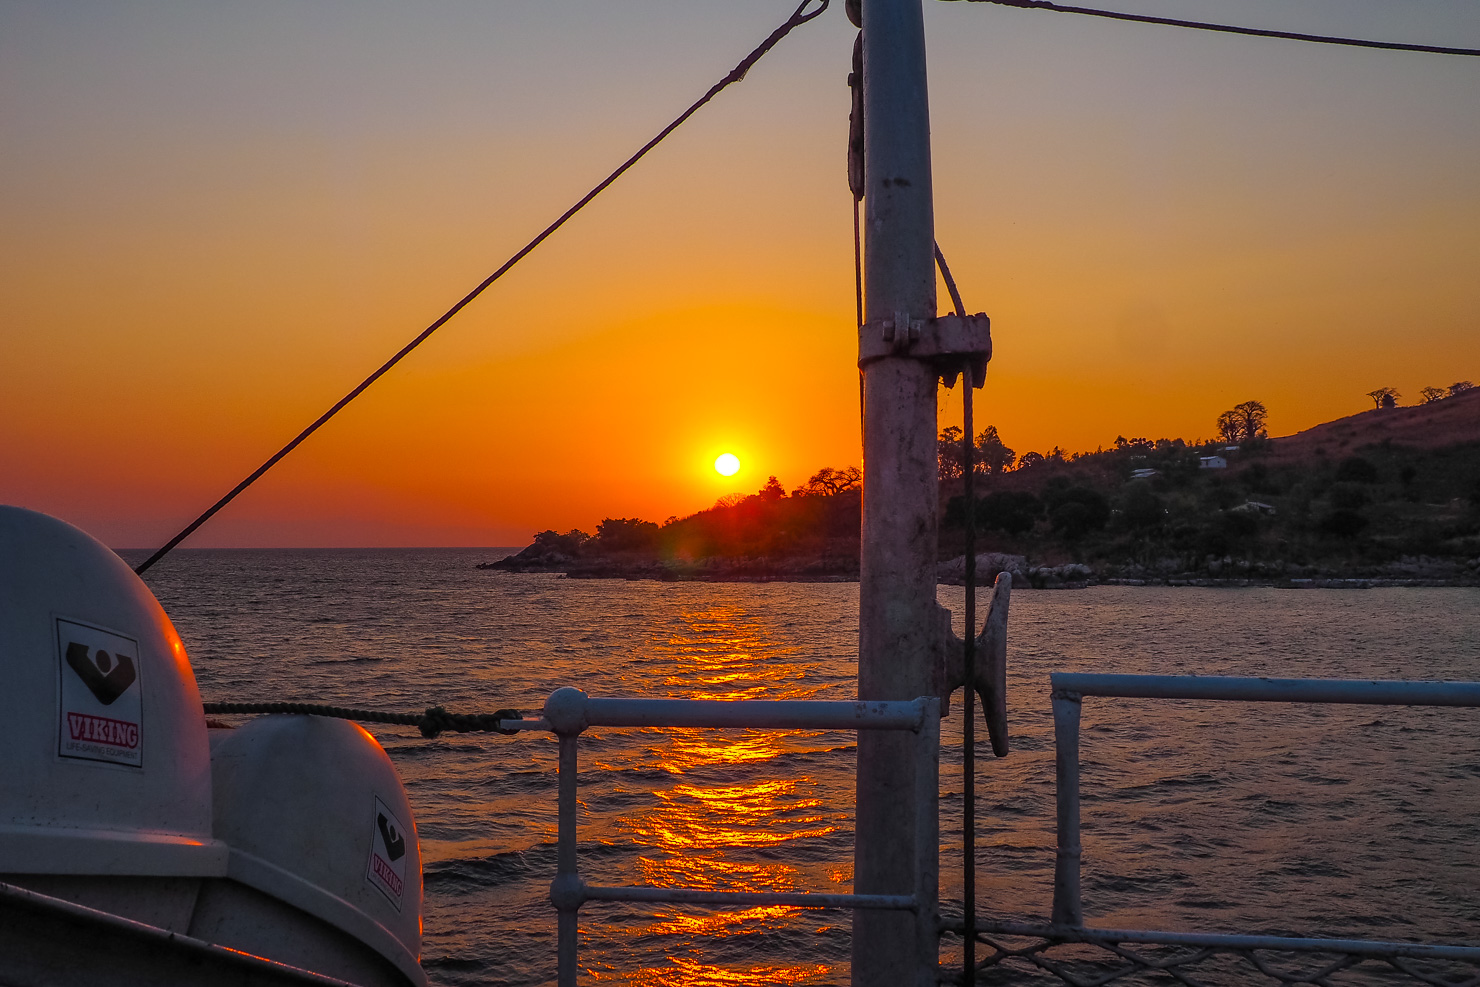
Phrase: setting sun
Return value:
(727, 464)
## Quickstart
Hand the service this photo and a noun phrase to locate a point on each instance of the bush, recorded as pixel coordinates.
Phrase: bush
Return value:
(1013, 511)
(1076, 511)
(1355, 469)
(1140, 508)
(1343, 523)
(1347, 496)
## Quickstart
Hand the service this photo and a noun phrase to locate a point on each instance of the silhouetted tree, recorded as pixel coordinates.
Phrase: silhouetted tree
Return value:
(1243, 423)
(1431, 394)
(773, 490)
(1384, 397)
(827, 482)
(992, 454)
(949, 459)
(1031, 459)
(1459, 387)
(625, 534)
(567, 544)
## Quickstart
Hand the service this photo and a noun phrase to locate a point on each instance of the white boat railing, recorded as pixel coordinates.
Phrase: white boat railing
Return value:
(569, 712)
(1266, 958)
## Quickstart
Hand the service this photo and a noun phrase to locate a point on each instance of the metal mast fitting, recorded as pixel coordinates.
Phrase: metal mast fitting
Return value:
(946, 343)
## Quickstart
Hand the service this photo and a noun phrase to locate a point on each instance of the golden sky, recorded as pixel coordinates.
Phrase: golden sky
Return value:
(216, 219)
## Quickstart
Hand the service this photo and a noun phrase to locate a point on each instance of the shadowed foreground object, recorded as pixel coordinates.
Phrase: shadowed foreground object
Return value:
(280, 852)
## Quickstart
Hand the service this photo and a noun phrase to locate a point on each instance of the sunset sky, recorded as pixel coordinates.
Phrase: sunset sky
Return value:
(217, 218)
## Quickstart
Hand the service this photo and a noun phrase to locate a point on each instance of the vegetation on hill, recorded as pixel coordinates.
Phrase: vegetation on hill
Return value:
(1391, 491)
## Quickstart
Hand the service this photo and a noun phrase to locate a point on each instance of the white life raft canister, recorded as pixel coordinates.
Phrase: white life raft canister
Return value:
(106, 767)
(316, 817)
(288, 838)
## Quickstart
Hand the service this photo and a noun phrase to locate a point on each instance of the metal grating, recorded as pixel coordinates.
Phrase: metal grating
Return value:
(1045, 955)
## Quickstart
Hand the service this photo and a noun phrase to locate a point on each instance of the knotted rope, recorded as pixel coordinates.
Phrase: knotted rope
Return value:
(431, 723)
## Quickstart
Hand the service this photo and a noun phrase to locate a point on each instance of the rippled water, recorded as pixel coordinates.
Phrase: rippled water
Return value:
(1358, 821)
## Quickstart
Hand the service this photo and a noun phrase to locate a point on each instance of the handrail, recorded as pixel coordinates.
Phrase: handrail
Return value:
(569, 712)
(1377, 692)
(1069, 688)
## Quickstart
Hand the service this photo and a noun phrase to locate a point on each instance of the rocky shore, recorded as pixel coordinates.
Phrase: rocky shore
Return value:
(711, 570)
(1421, 571)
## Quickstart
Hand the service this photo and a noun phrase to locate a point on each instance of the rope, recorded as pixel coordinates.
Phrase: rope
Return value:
(431, 723)
(797, 19)
(1229, 29)
(968, 648)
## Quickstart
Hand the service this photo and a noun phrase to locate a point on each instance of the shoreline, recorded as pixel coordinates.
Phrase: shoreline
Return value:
(1070, 576)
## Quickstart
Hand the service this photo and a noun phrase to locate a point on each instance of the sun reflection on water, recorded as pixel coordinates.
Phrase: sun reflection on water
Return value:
(726, 801)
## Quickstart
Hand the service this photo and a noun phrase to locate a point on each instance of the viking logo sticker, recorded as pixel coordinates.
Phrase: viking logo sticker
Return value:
(387, 867)
(101, 715)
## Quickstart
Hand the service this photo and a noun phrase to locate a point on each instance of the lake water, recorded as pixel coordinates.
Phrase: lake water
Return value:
(1333, 821)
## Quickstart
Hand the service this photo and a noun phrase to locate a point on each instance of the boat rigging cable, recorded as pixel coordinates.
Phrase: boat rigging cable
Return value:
(968, 650)
(1228, 28)
(799, 17)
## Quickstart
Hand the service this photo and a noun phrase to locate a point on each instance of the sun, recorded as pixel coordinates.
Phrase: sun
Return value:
(727, 464)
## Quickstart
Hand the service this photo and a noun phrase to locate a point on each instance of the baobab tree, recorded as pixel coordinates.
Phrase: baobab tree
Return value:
(1244, 423)
(1384, 397)
(1431, 394)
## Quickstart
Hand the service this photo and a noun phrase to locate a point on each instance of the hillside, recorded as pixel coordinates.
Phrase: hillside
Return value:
(1386, 496)
(1450, 422)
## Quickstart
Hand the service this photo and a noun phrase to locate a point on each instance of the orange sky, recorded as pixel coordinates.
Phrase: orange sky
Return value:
(215, 221)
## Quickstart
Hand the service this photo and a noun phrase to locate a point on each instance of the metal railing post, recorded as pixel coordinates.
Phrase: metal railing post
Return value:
(565, 892)
(1067, 907)
(927, 841)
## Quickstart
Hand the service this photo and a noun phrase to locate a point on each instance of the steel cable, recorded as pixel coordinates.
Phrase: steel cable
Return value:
(1228, 28)
(799, 17)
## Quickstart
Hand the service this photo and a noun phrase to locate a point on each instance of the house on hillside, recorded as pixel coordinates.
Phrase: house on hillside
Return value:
(1212, 463)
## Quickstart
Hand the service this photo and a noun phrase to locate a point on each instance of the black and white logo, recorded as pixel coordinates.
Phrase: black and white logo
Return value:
(101, 714)
(387, 867)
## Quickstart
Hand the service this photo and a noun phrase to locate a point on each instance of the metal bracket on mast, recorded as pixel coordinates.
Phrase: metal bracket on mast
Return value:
(946, 343)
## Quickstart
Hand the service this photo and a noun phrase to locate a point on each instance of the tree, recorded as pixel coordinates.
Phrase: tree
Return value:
(828, 482)
(1459, 387)
(1431, 394)
(992, 454)
(773, 490)
(1031, 459)
(949, 459)
(625, 534)
(1384, 397)
(1243, 423)
(1228, 428)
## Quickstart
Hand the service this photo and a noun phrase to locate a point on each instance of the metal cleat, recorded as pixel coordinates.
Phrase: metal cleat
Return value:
(991, 664)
